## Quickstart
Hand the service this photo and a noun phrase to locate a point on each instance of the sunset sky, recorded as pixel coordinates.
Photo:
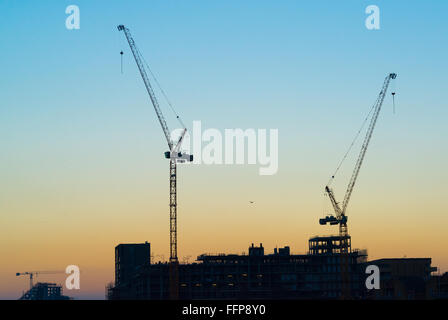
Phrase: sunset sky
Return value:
(81, 150)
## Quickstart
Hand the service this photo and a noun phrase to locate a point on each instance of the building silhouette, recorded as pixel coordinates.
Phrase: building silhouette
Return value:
(278, 275)
(129, 260)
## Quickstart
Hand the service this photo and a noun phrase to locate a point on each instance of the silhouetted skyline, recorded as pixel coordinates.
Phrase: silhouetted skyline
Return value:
(82, 159)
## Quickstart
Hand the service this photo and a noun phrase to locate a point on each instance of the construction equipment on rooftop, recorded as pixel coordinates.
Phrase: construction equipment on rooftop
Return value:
(32, 274)
(340, 217)
(174, 154)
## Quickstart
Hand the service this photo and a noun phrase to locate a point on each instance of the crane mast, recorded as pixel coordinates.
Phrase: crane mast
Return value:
(340, 217)
(174, 155)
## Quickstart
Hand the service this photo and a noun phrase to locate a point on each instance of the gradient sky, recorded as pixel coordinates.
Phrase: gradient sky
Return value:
(81, 151)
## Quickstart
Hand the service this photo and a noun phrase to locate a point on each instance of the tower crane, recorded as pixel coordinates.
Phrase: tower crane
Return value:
(340, 217)
(35, 273)
(174, 154)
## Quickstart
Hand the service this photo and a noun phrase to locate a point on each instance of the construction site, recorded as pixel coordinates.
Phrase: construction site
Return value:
(277, 275)
(330, 269)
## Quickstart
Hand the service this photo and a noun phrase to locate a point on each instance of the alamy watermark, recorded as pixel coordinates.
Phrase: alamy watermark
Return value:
(232, 146)
(373, 280)
(74, 19)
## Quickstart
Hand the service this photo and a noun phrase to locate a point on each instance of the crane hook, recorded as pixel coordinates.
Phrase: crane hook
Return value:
(393, 100)
(121, 56)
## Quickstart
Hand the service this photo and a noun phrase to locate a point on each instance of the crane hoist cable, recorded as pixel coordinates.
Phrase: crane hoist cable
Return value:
(121, 55)
(393, 100)
(393, 94)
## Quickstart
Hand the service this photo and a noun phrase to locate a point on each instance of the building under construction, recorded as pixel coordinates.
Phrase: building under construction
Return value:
(330, 269)
(278, 275)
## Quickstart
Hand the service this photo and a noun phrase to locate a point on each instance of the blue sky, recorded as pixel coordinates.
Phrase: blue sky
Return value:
(272, 63)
